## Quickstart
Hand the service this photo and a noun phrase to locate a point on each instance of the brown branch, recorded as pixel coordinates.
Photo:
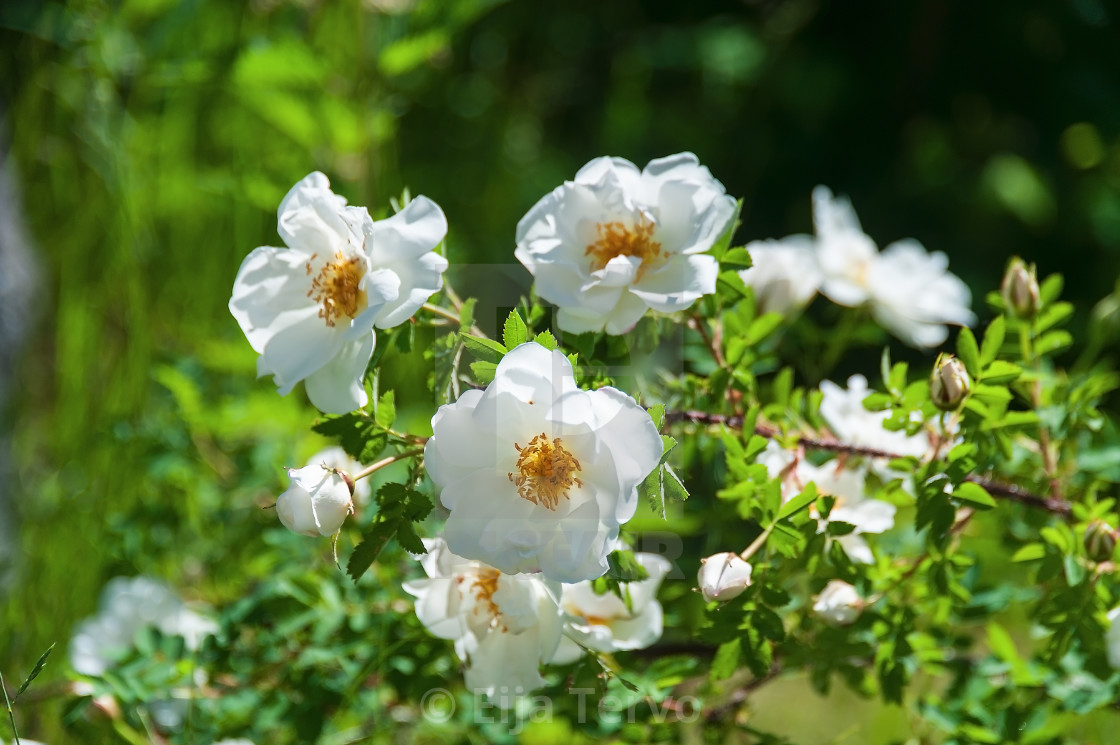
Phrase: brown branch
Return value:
(995, 488)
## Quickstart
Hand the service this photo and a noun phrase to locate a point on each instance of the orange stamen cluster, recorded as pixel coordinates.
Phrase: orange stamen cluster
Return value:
(336, 288)
(620, 239)
(485, 585)
(545, 471)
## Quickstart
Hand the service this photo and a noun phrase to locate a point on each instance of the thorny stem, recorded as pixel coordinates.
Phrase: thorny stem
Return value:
(374, 467)
(1057, 505)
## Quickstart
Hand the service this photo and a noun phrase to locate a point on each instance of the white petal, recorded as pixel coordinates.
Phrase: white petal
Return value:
(337, 387)
(270, 288)
(680, 283)
(296, 351)
(405, 243)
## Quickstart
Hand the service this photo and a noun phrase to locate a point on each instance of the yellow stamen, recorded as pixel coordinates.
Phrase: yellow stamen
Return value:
(336, 288)
(620, 239)
(485, 585)
(545, 471)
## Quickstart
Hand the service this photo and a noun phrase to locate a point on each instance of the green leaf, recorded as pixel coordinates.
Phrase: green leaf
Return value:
(623, 566)
(1053, 341)
(486, 350)
(466, 314)
(484, 371)
(398, 507)
(34, 672)
(726, 661)
(1001, 643)
(1029, 552)
(546, 340)
(798, 503)
(738, 257)
(975, 495)
(657, 414)
(969, 353)
(1001, 371)
(386, 412)
(762, 327)
(515, 331)
(993, 340)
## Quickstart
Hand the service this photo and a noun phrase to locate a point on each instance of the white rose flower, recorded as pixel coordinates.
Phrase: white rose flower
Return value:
(604, 622)
(538, 474)
(503, 625)
(336, 457)
(785, 275)
(127, 606)
(309, 310)
(910, 291)
(616, 241)
(839, 603)
(317, 502)
(845, 485)
(723, 576)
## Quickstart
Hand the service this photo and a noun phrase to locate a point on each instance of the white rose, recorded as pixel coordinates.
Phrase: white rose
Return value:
(839, 603)
(723, 576)
(317, 502)
(309, 310)
(538, 474)
(616, 242)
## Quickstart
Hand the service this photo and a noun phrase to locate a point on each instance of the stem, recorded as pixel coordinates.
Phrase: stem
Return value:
(758, 542)
(374, 467)
(696, 322)
(431, 308)
(11, 715)
(1048, 462)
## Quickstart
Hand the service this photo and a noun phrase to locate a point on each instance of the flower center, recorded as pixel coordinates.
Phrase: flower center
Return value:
(336, 288)
(485, 585)
(545, 471)
(620, 239)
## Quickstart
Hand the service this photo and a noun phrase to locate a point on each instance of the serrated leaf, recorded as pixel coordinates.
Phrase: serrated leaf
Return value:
(408, 539)
(738, 257)
(366, 552)
(486, 350)
(798, 503)
(974, 495)
(762, 327)
(1053, 341)
(484, 371)
(969, 352)
(1011, 419)
(373, 446)
(657, 414)
(993, 340)
(515, 332)
(546, 340)
(386, 412)
(730, 283)
(674, 488)
(1001, 371)
(726, 661)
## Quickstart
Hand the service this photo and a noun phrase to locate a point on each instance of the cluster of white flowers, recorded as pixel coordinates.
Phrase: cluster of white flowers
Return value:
(616, 242)
(910, 292)
(310, 310)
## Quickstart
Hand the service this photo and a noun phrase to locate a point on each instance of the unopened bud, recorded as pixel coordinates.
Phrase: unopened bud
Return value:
(948, 383)
(1100, 540)
(317, 502)
(723, 576)
(1020, 289)
(839, 603)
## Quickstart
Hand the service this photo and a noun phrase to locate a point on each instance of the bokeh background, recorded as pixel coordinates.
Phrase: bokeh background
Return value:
(147, 143)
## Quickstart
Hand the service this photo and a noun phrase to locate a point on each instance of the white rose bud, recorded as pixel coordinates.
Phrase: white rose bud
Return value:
(317, 502)
(839, 603)
(949, 383)
(723, 576)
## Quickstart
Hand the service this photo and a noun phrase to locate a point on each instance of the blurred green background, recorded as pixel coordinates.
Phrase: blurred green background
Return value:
(152, 140)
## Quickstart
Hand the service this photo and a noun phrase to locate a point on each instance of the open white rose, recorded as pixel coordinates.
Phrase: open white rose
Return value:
(616, 242)
(503, 625)
(845, 485)
(784, 274)
(309, 310)
(317, 502)
(839, 603)
(723, 576)
(605, 623)
(910, 291)
(538, 474)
